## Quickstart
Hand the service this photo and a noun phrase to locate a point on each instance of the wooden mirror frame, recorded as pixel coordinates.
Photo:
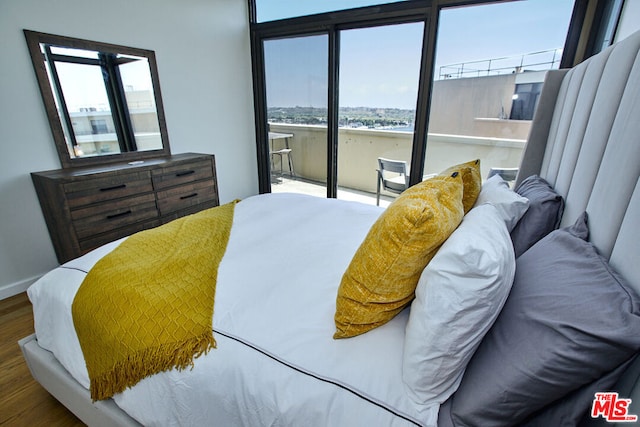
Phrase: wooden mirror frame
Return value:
(34, 40)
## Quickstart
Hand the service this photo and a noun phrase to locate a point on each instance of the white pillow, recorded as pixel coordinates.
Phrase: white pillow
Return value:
(510, 204)
(459, 296)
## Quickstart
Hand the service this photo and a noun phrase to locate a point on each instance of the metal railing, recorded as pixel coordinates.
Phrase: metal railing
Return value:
(534, 61)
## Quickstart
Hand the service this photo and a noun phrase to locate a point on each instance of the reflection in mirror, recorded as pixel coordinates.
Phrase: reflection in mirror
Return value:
(102, 100)
(91, 127)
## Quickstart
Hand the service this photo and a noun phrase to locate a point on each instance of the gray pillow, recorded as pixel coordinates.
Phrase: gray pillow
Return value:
(573, 408)
(543, 216)
(569, 320)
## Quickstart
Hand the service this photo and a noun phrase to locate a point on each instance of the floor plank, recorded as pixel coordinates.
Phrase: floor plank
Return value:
(23, 402)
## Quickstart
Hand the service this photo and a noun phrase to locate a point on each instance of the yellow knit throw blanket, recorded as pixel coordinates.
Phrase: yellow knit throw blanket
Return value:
(147, 306)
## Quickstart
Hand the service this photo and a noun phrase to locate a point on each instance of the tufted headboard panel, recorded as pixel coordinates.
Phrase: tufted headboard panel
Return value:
(585, 140)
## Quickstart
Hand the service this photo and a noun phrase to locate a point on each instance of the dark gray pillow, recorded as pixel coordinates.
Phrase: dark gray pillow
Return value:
(543, 216)
(568, 321)
(574, 408)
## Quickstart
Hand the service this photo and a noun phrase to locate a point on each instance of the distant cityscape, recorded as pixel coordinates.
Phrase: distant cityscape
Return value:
(352, 117)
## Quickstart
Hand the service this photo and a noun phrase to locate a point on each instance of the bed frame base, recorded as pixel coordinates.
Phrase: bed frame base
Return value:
(47, 371)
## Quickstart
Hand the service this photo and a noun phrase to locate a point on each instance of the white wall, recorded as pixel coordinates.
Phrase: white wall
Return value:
(629, 19)
(203, 54)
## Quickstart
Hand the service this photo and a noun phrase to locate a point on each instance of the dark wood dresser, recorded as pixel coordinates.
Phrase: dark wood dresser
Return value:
(88, 207)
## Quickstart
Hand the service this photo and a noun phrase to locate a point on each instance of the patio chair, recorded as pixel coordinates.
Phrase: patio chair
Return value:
(282, 152)
(392, 176)
(508, 174)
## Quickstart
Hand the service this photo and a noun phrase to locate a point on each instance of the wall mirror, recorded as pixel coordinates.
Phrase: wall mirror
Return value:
(103, 101)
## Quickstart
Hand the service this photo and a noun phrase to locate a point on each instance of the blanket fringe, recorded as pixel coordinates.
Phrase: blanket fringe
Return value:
(165, 357)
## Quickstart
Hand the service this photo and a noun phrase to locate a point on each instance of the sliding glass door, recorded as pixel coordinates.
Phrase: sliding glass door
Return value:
(378, 90)
(296, 88)
(429, 84)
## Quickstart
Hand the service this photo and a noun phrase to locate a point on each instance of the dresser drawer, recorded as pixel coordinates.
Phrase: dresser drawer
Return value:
(185, 196)
(104, 217)
(180, 174)
(114, 186)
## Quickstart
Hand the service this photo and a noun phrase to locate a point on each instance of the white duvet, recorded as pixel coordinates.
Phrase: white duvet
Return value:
(276, 363)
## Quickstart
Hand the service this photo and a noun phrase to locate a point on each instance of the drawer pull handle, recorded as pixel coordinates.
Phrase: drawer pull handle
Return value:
(118, 215)
(189, 196)
(115, 187)
(185, 173)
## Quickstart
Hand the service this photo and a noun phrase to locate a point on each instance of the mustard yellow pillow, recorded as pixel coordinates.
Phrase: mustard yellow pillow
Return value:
(384, 272)
(471, 181)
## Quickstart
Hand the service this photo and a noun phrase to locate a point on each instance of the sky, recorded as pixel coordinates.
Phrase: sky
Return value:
(379, 66)
(83, 85)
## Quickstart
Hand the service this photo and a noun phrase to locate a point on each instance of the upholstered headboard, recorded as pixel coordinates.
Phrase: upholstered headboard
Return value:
(585, 141)
(587, 147)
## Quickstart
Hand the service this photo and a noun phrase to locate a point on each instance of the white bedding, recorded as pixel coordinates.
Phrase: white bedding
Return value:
(276, 362)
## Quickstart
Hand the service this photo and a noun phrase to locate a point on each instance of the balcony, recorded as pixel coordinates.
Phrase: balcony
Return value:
(485, 117)
(359, 149)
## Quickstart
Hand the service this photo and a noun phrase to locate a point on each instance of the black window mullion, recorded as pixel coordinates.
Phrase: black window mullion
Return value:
(260, 111)
(423, 103)
(332, 113)
(60, 95)
(71, 59)
(118, 102)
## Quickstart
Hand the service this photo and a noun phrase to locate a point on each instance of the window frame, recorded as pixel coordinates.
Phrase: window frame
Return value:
(331, 23)
(109, 66)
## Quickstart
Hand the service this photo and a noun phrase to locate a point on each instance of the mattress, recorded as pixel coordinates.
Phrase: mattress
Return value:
(276, 362)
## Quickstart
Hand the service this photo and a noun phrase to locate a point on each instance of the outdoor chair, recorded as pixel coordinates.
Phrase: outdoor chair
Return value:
(282, 152)
(392, 177)
(508, 174)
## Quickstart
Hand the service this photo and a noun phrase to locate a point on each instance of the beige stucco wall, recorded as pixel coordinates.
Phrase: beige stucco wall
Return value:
(478, 106)
(457, 103)
(359, 149)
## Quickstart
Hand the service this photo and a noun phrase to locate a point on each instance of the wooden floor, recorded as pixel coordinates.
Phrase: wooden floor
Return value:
(23, 402)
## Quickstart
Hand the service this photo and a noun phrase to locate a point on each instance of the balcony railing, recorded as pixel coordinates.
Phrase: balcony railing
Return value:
(534, 61)
(359, 149)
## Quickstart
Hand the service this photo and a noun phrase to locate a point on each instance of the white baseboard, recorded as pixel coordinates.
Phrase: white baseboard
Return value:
(12, 289)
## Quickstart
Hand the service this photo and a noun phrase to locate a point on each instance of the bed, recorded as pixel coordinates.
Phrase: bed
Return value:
(277, 363)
